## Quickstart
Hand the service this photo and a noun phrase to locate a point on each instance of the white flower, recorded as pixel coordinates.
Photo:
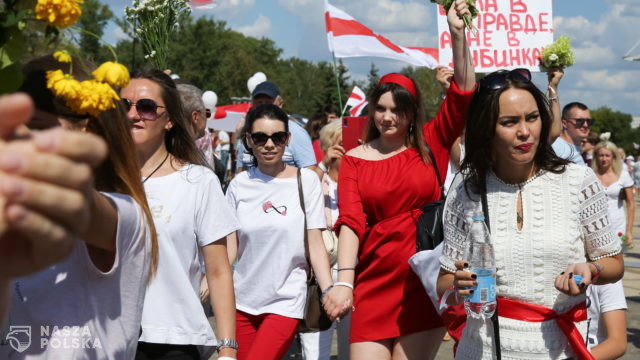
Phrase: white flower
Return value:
(605, 136)
(553, 57)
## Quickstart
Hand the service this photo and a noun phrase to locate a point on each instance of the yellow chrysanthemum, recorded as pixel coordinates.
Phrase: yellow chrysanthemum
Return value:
(94, 98)
(62, 56)
(61, 13)
(62, 85)
(113, 73)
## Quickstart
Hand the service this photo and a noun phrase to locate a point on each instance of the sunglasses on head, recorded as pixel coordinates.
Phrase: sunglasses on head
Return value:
(260, 139)
(146, 108)
(497, 79)
(581, 121)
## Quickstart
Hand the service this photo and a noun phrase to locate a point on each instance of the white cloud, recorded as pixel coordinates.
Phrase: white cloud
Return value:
(228, 9)
(608, 80)
(260, 28)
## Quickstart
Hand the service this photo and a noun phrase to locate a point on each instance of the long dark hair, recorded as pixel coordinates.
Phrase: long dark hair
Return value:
(481, 119)
(178, 140)
(268, 111)
(120, 172)
(407, 107)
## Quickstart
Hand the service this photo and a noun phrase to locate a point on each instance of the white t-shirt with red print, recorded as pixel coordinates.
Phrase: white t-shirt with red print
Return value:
(270, 275)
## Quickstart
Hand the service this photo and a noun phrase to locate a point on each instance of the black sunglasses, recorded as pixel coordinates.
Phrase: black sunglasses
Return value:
(497, 79)
(580, 121)
(146, 108)
(279, 138)
(207, 113)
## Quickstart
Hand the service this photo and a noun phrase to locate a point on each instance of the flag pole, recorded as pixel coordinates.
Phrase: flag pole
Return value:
(335, 71)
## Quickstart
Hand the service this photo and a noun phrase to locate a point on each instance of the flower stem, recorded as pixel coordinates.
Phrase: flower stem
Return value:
(111, 49)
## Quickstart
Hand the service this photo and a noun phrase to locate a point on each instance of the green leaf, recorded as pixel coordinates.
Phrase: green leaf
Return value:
(12, 50)
(11, 78)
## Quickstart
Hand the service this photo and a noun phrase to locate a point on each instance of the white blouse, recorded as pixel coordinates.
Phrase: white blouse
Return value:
(565, 222)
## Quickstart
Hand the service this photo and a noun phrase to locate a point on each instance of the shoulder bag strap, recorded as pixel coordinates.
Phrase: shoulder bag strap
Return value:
(434, 163)
(304, 212)
(494, 318)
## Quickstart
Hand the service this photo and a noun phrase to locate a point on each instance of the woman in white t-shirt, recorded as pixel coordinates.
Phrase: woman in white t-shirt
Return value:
(271, 271)
(190, 214)
(88, 304)
(618, 186)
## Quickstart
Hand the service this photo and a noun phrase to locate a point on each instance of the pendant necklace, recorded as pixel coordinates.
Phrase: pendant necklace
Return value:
(156, 169)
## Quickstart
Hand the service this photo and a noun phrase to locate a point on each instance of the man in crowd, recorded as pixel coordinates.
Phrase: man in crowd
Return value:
(299, 152)
(196, 112)
(576, 123)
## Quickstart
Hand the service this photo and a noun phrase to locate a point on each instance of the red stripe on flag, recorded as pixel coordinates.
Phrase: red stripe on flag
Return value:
(355, 96)
(429, 51)
(341, 27)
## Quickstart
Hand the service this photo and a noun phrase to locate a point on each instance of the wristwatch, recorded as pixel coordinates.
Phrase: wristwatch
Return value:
(227, 343)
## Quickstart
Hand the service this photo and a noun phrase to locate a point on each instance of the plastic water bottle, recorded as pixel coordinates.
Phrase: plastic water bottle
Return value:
(482, 303)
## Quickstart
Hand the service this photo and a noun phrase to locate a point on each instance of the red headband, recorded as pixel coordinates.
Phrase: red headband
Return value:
(401, 80)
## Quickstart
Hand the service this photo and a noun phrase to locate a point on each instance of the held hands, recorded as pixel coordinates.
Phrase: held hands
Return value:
(454, 17)
(566, 283)
(338, 302)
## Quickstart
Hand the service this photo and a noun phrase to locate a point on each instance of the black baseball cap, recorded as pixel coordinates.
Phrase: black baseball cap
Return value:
(266, 88)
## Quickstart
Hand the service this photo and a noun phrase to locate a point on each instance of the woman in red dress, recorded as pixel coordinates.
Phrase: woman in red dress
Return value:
(381, 187)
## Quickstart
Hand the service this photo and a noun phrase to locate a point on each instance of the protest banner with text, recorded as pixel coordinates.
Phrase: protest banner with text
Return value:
(511, 34)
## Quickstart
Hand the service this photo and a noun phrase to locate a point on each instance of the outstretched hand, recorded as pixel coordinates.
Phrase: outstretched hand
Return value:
(45, 182)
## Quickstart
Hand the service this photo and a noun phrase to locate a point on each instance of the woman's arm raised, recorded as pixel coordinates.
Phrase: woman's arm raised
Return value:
(463, 71)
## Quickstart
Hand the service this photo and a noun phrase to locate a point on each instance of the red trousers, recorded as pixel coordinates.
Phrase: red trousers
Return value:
(264, 336)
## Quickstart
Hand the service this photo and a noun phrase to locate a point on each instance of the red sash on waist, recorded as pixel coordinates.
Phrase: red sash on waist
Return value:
(518, 310)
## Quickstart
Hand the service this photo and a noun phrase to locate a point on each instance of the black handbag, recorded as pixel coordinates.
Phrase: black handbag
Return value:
(429, 228)
(315, 318)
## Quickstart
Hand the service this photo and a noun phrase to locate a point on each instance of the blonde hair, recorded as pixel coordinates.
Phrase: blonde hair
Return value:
(328, 133)
(616, 162)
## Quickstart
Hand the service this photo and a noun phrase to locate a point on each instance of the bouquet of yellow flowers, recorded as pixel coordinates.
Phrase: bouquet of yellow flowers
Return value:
(558, 54)
(468, 21)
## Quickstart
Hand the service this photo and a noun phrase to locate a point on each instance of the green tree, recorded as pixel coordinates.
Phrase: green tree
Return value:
(429, 88)
(95, 16)
(618, 124)
(373, 77)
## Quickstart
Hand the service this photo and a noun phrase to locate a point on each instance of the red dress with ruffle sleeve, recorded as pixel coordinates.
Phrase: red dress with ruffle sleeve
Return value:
(380, 201)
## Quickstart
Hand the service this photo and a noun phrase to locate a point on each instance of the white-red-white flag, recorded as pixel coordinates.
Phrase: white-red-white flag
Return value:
(202, 4)
(349, 38)
(227, 117)
(356, 102)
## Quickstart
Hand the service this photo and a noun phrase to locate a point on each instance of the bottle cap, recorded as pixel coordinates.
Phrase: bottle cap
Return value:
(578, 279)
(478, 218)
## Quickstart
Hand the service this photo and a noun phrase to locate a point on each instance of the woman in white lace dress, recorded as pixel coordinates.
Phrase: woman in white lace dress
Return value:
(548, 220)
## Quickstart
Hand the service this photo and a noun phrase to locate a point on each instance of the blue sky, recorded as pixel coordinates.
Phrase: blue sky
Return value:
(602, 31)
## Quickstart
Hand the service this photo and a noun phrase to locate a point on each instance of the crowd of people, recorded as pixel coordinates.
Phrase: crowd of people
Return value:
(120, 230)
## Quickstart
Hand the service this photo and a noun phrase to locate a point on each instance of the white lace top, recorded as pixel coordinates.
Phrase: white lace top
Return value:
(565, 222)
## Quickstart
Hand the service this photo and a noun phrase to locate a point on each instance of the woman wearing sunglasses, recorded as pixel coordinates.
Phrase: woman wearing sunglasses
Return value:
(191, 215)
(548, 221)
(382, 186)
(271, 271)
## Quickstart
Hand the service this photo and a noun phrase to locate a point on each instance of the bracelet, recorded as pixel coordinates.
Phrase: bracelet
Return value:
(554, 98)
(341, 269)
(342, 283)
(227, 343)
(325, 291)
(598, 271)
